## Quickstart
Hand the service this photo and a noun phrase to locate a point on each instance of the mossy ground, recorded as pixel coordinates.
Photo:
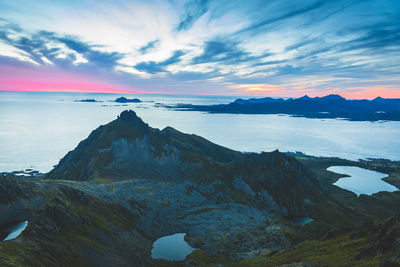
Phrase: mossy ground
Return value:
(72, 228)
(338, 251)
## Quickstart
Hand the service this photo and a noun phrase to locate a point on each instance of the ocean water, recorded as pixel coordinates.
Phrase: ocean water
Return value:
(38, 129)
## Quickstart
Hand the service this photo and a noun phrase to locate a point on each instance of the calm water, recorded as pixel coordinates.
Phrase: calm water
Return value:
(38, 129)
(361, 181)
(171, 247)
(16, 230)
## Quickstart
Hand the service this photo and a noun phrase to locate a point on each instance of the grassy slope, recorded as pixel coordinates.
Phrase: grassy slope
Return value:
(72, 229)
(338, 251)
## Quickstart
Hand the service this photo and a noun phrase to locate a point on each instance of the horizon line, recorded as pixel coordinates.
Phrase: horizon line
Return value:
(171, 94)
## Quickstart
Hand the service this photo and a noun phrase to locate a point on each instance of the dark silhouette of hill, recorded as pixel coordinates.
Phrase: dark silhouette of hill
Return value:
(330, 106)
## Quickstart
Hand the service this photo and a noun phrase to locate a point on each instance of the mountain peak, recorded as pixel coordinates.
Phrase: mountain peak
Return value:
(378, 99)
(333, 97)
(130, 117)
(305, 97)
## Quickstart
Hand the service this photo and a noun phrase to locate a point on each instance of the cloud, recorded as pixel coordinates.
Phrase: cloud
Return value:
(102, 59)
(194, 9)
(377, 38)
(15, 53)
(45, 47)
(258, 88)
(149, 46)
(286, 15)
(222, 51)
(153, 67)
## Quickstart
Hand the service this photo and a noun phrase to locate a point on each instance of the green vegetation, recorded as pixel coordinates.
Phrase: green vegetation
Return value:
(71, 228)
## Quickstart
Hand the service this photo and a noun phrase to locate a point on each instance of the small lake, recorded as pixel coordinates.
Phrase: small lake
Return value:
(361, 181)
(16, 230)
(171, 248)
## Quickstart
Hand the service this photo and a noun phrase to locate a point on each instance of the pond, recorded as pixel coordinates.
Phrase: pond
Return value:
(15, 230)
(171, 247)
(361, 181)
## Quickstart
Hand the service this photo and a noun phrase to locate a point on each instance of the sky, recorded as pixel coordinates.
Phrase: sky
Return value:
(278, 48)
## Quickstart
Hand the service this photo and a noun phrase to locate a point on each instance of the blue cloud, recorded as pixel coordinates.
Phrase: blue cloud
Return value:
(377, 38)
(286, 15)
(194, 9)
(218, 51)
(35, 45)
(149, 46)
(102, 59)
(153, 67)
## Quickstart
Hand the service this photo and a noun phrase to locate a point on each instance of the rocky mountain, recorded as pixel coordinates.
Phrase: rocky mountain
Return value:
(330, 106)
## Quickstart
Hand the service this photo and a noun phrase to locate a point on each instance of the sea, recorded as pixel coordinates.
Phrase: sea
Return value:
(38, 128)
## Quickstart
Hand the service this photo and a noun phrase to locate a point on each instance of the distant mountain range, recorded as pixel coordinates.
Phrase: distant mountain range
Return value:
(330, 106)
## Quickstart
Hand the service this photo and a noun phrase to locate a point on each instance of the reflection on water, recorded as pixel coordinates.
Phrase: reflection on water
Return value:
(361, 181)
(171, 247)
(38, 128)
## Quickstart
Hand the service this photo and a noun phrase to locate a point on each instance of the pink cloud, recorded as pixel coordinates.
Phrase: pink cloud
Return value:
(372, 92)
(52, 80)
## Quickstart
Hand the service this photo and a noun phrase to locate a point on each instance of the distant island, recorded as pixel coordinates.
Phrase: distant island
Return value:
(127, 100)
(330, 106)
(87, 100)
